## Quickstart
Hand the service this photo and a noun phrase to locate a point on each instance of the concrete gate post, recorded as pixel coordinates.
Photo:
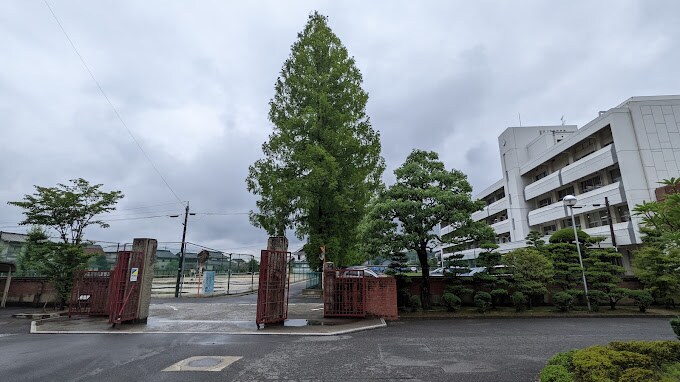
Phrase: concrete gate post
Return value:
(148, 248)
(277, 243)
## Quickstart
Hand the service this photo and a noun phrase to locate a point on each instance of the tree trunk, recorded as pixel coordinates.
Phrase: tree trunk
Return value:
(425, 273)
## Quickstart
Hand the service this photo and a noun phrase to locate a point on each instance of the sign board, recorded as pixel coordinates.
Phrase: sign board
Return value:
(208, 282)
(134, 273)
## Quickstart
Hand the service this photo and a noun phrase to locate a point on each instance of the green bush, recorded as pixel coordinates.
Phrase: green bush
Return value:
(671, 372)
(563, 359)
(630, 361)
(600, 363)
(482, 301)
(597, 298)
(642, 299)
(519, 300)
(497, 296)
(459, 290)
(675, 324)
(556, 373)
(658, 351)
(451, 302)
(563, 301)
(636, 374)
(414, 303)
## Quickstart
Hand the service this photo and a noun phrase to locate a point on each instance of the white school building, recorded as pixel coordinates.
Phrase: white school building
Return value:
(621, 155)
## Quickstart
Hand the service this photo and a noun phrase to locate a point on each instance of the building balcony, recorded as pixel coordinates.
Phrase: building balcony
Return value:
(502, 226)
(622, 232)
(493, 208)
(558, 211)
(583, 167)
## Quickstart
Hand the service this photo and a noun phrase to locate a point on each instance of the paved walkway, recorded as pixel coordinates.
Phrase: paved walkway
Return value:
(205, 315)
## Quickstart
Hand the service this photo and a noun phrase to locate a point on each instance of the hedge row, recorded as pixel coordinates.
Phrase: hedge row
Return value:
(631, 361)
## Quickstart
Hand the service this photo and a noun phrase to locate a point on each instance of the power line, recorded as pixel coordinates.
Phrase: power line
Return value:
(115, 110)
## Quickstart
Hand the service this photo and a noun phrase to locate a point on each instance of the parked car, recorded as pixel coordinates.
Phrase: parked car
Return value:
(355, 271)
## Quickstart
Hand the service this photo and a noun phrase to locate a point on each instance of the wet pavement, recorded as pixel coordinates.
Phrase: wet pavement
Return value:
(223, 315)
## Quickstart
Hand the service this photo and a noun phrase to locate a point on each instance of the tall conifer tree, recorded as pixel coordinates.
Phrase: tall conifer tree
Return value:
(322, 162)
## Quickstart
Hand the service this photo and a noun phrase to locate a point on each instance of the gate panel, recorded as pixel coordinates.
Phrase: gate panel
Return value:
(125, 288)
(90, 293)
(272, 293)
(344, 293)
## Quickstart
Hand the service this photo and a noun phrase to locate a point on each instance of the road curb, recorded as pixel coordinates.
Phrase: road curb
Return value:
(35, 324)
(496, 317)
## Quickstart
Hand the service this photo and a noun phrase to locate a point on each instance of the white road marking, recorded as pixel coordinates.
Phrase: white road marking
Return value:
(203, 363)
(172, 307)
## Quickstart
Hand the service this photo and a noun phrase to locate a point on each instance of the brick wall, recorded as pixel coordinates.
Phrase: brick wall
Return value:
(28, 290)
(381, 297)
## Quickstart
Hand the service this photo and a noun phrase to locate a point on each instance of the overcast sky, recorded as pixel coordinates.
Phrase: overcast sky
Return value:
(192, 80)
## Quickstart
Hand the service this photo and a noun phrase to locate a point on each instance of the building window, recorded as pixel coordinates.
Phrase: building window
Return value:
(541, 175)
(615, 175)
(566, 223)
(623, 213)
(596, 219)
(544, 202)
(549, 229)
(591, 184)
(564, 192)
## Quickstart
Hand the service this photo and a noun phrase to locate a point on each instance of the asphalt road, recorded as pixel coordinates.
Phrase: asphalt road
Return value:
(440, 350)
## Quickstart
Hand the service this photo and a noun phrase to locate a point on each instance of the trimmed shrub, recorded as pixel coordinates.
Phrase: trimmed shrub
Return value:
(636, 374)
(497, 296)
(556, 373)
(451, 302)
(414, 303)
(597, 298)
(519, 300)
(600, 363)
(563, 301)
(658, 351)
(459, 290)
(482, 301)
(675, 324)
(563, 359)
(642, 299)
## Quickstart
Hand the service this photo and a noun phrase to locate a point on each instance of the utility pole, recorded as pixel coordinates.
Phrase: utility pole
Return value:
(181, 256)
(611, 222)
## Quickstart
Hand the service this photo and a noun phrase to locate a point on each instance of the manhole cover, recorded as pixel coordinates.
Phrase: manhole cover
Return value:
(203, 363)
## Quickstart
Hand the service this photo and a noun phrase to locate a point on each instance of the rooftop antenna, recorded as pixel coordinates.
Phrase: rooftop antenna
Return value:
(520, 119)
(562, 119)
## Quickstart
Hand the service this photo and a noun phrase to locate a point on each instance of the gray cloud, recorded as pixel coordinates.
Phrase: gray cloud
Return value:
(193, 82)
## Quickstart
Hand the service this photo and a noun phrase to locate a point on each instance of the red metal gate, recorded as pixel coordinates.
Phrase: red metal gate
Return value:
(125, 287)
(90, 293)
(344, 293)
(273, 287)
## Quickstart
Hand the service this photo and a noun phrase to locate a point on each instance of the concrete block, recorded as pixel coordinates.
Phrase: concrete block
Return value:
(645, 110)
(671, 122)
(659, 161)
(662, 132)
(675, 140)
(667, 109)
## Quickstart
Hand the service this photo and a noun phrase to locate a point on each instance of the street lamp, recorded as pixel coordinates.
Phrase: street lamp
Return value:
(570, 201)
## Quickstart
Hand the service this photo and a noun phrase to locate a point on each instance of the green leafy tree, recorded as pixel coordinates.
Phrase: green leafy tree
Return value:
(659, 270)
(56, 261)
(657, 263)
(661, 219)
(67, 209)
(322, 162)
(531, 271)
(100, 262)
(425, 194)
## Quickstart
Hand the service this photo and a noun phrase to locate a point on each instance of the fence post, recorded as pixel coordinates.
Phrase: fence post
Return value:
(252, 273)
(229, 275)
